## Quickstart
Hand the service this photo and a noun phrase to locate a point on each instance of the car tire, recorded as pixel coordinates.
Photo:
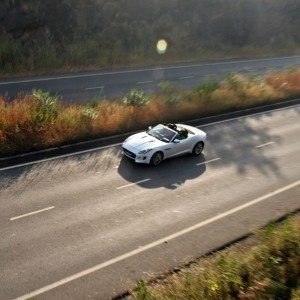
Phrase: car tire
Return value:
(156, 158)
(198, 148)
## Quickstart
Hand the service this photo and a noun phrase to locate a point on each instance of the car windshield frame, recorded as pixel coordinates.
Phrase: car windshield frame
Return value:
(162, 133)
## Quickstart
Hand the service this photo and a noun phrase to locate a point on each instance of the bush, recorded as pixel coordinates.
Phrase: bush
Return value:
(47, 107)
(168, 88)
(136, 98)
(170, 92)
(206, 87)
(36, 121)
(267, 267)
(233, 81)
(90, 113)
(173, 100)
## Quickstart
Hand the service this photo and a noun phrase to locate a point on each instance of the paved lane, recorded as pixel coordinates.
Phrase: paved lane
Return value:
(83, 87)
(61, 218)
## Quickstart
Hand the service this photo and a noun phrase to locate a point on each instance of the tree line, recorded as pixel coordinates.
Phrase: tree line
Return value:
(55, 33)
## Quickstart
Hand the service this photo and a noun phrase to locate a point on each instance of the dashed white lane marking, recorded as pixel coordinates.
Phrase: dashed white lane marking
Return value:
(95, 88)
(185, 77)
(32, 213)
(263, 145)
(130, 184)
(144, 82)
(58, 157)
(156, 243)
(208, 161)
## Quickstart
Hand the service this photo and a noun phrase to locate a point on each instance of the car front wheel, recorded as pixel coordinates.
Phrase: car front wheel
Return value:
(198, 148)
(156, 159)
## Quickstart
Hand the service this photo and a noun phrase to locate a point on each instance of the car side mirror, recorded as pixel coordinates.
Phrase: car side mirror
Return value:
(176, 141)
(149, 128)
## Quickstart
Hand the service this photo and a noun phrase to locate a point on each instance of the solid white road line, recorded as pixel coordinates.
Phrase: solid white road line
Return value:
(144, 82)
(32, 213)
(130, 184)
(95, 88)
(156, 243)
(243, 117)
(208, 161)
(143, 70)
(263, 145)
(185, 77)
(58, 157)
(117, 144)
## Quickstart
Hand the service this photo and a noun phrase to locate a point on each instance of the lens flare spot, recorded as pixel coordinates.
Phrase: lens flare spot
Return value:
(161, 46)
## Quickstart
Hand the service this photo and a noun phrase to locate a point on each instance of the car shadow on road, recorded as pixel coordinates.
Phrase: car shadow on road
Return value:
(171, 174)
(234, 142)
(237, 146)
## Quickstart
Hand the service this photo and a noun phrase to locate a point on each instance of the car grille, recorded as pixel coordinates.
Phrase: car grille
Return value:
(129, 153)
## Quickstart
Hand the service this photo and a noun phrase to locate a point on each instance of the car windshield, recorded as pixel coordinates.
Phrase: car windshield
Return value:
(162, 133)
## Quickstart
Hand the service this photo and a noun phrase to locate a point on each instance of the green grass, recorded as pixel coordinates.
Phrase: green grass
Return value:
(266, 266)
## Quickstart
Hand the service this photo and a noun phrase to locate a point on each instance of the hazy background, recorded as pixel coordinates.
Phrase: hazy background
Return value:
(53, 35)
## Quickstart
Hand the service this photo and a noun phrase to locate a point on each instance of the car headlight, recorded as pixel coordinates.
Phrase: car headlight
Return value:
(145, 151)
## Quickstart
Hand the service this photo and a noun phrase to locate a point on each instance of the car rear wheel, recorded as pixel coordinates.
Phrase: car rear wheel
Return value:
(198, 148)
(156, 159)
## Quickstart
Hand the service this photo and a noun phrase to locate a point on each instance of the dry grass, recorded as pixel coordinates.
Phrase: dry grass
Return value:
(39, 120)
(264, 267)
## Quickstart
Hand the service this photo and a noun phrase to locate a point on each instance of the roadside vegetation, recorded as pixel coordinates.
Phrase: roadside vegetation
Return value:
(47, 36)
(266, 266)
(40, 120)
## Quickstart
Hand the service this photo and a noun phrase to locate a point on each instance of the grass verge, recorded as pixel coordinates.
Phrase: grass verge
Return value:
(40, 120)
(266, 266)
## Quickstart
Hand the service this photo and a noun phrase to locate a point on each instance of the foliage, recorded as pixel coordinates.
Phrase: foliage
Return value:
(174, 99)
(206, 87)
(136, 98)
(50, 35)
(266, 268)
(168, 88)
(38, 120)
(90, 112)
(170, 91)
(47, 106)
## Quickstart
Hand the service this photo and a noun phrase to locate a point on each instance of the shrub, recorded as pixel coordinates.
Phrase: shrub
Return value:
(90, 112)
(266, 267)
(168, 88)
(206, 87)
(233, 81)
(173, 100)
(47, 107)
(96, 101)
(36, 121)
(136, 98)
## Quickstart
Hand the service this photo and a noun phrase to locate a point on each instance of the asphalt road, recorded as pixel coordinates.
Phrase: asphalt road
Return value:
(83, 87)
(89, 225)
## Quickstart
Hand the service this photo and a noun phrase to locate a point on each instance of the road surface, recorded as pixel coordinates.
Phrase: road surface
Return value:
(89, 225)
(83, 87)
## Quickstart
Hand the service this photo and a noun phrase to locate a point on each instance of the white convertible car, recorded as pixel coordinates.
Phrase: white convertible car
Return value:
(163, 141)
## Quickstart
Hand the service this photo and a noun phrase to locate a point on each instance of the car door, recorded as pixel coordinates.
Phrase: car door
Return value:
(180, 145)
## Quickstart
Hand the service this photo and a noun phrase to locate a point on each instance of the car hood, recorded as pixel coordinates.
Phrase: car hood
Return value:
(142, 141)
